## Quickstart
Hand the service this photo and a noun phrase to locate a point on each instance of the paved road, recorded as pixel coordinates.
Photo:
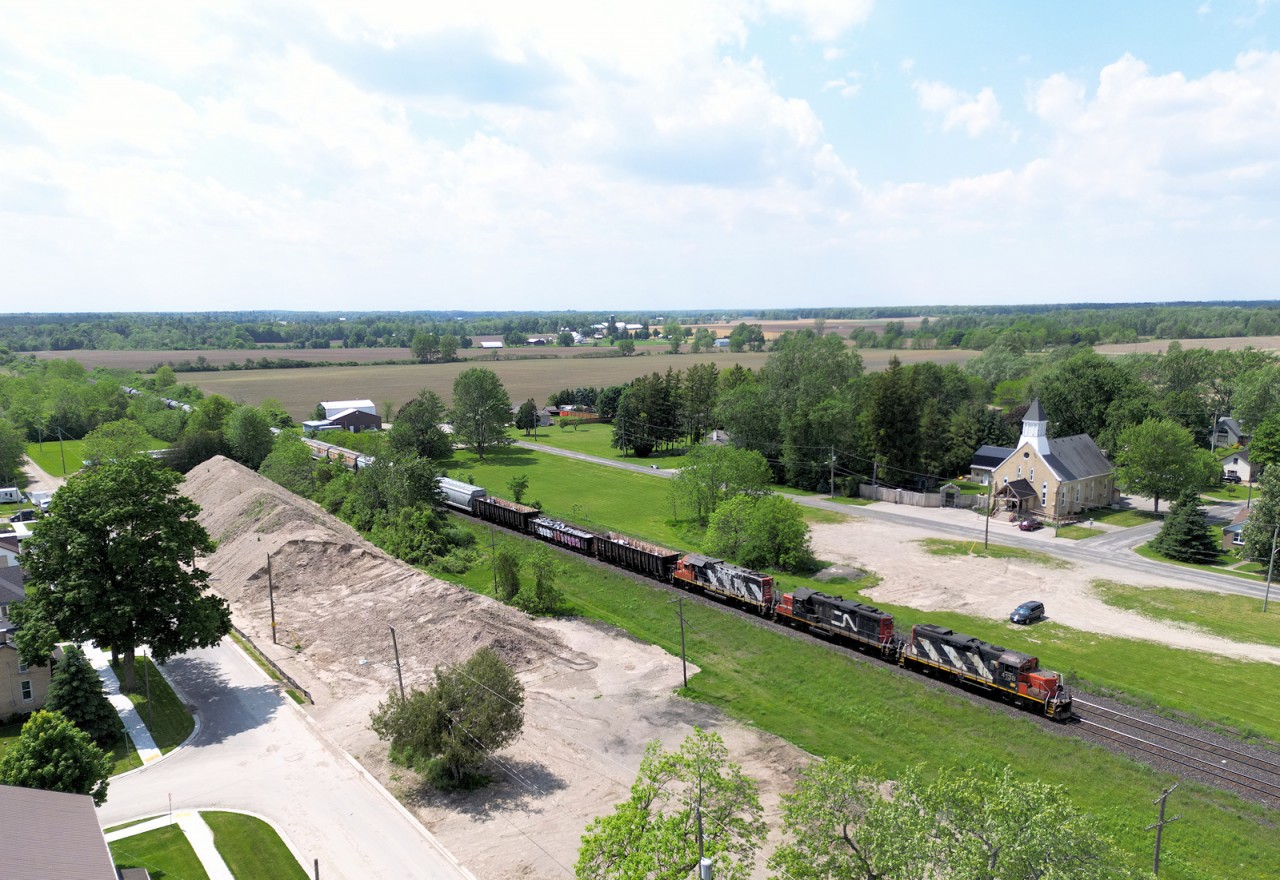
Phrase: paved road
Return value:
(1114, 548)
(257, 753)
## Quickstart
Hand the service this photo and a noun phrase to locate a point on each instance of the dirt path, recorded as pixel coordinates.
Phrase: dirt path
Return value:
(38, 480)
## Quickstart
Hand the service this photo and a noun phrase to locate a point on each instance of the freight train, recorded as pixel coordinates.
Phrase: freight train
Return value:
(348, 458)
(927, 649)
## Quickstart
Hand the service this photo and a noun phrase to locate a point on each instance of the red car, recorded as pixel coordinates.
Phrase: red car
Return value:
(1030, 525)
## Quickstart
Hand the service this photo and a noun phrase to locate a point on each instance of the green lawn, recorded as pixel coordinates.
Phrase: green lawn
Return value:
(944, 547)
(829, 704)
(1233, 617)
(595, 439)
(164, 852)
(1123, 518)
(65, 457)
(168, 720)
(1228, 492)
(1219, 566)
(1076, 533)
(251, 848)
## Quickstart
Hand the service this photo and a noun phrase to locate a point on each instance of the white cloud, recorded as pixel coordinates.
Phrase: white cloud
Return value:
(848, 86)
(974, 113)
(825, 20)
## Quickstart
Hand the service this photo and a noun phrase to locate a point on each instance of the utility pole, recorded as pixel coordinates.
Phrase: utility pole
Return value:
(684, 666)
(991, 500)
(1213, 433)
(493, 559)
(396, 649)
(1271, 567)
(832, 483)
(271, 597)
(1159, 826)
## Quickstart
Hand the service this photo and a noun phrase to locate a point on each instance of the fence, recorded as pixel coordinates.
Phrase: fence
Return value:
(921, 499)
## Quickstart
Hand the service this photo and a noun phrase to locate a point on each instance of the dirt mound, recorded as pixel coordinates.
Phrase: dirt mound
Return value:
(336, 594)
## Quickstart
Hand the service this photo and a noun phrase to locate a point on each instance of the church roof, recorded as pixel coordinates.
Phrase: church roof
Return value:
(990, 456)
(1075, 458)
(1035, 412)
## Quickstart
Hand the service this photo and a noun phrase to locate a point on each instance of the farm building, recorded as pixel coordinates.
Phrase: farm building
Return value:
(346, 415)
(334, 407)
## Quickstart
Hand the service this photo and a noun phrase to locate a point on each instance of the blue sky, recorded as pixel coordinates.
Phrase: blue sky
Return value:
(728, 154)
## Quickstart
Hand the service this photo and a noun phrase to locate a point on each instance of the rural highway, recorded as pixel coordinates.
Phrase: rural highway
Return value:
(1114, 548)
(254, 751)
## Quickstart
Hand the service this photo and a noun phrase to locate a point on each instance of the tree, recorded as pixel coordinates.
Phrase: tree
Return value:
(114, 441)
(447, 731)
(248, 435)
(448, 347)
(761, 532)
(527, 417)
(506, 573)
(627, 347)
(54, 755)
(417, 430)
(481, 410)
(1264, 446)
(291, 465)
(12, 449)
(114, 562)
(76, 692)
(425, 344)
(565, 339)
(675, 335)
(1159, 459)
(844, 821)
(653, 835)
(518, 485)
(542, 597)
(1185, 535)
(1259, 532)
(711, 474)
(165, 378)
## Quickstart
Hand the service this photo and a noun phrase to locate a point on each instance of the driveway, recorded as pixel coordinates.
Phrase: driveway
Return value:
(254, 751)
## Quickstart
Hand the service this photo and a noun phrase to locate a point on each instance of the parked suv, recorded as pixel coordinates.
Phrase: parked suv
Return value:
(23, 515)
(1028, 612)
(1231, 478)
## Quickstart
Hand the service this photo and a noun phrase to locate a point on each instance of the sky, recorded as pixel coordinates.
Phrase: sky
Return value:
(670, 154)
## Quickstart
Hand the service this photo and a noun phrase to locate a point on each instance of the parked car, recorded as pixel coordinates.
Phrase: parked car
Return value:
(1030, 525)
(1028, 612)
(23, 515)
(1231, 478)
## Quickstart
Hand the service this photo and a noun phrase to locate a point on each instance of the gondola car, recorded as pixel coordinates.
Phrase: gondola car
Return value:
(563, 534)
(842, 619)
(971, 661)
(638, 556)
(742, 586)
(504, 513)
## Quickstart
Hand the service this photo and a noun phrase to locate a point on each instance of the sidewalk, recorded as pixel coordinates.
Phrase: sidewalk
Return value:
(197, 832)
(133, 723)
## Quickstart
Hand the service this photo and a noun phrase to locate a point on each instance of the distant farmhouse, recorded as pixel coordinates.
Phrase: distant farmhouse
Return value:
(1054, 479)
(345, 415)
(1229, 433)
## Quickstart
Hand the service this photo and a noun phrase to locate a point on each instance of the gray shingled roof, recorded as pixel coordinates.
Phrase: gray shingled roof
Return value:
(990, 456)
(11, 578)
(1035, 412)
(1075, 458)
(53, 834)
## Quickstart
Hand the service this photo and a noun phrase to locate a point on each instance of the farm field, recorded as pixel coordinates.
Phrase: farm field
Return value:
(829, 704)
(300, 390)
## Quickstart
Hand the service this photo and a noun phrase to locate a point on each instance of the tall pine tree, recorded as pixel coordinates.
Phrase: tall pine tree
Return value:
(1185, 535)
(76, 691)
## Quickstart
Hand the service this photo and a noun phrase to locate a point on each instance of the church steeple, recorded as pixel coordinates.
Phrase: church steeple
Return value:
(1035, 428)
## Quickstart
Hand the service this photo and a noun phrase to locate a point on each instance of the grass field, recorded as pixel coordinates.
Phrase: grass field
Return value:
(597, 440)
(831, 705)
(164, 852)
(251, 848)
(1232, 617)
(168, 720)
(943, 547)
(61, 458)
(1124, 518)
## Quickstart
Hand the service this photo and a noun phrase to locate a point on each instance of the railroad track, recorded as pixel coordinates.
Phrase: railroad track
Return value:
(1240, 769)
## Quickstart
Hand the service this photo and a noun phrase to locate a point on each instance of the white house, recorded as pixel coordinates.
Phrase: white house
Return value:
(1237, 464)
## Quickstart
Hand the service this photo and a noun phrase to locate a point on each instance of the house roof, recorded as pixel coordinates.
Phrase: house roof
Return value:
(347, 413)
(1230, 426)
(9, 543)
(1018, 489)
(11, 578)
(990, 456)
(58, 833)
(1077, 457)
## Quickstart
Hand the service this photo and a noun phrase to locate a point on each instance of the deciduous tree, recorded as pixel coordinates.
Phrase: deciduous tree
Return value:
(527, 417)
(115, 440)
(711, 474)
(761, 532)
(506, 573)
(114, 563)
(248, 435)
(54, 755)
(1158, 459)
(653, 835)
(1264, 446)
(416, 428)
(291, 465)
(447, 731)
(1259, 533)
(481, 410)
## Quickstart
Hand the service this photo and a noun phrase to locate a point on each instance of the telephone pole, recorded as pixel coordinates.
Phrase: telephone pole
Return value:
(1159, 826)
(1271, 567)
(271, 597)
(684, 666)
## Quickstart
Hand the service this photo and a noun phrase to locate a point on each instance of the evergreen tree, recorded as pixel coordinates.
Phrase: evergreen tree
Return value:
(1185, 535)
(76, 691)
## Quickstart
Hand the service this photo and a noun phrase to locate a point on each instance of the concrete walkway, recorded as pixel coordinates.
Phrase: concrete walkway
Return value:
(198, 834)
(133, 724)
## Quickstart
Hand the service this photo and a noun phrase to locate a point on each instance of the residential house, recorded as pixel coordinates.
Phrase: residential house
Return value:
(1237, 465)
(1047, 478)
(1233, 534)
(52, 834)
(23, 688)
(1228, 433)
